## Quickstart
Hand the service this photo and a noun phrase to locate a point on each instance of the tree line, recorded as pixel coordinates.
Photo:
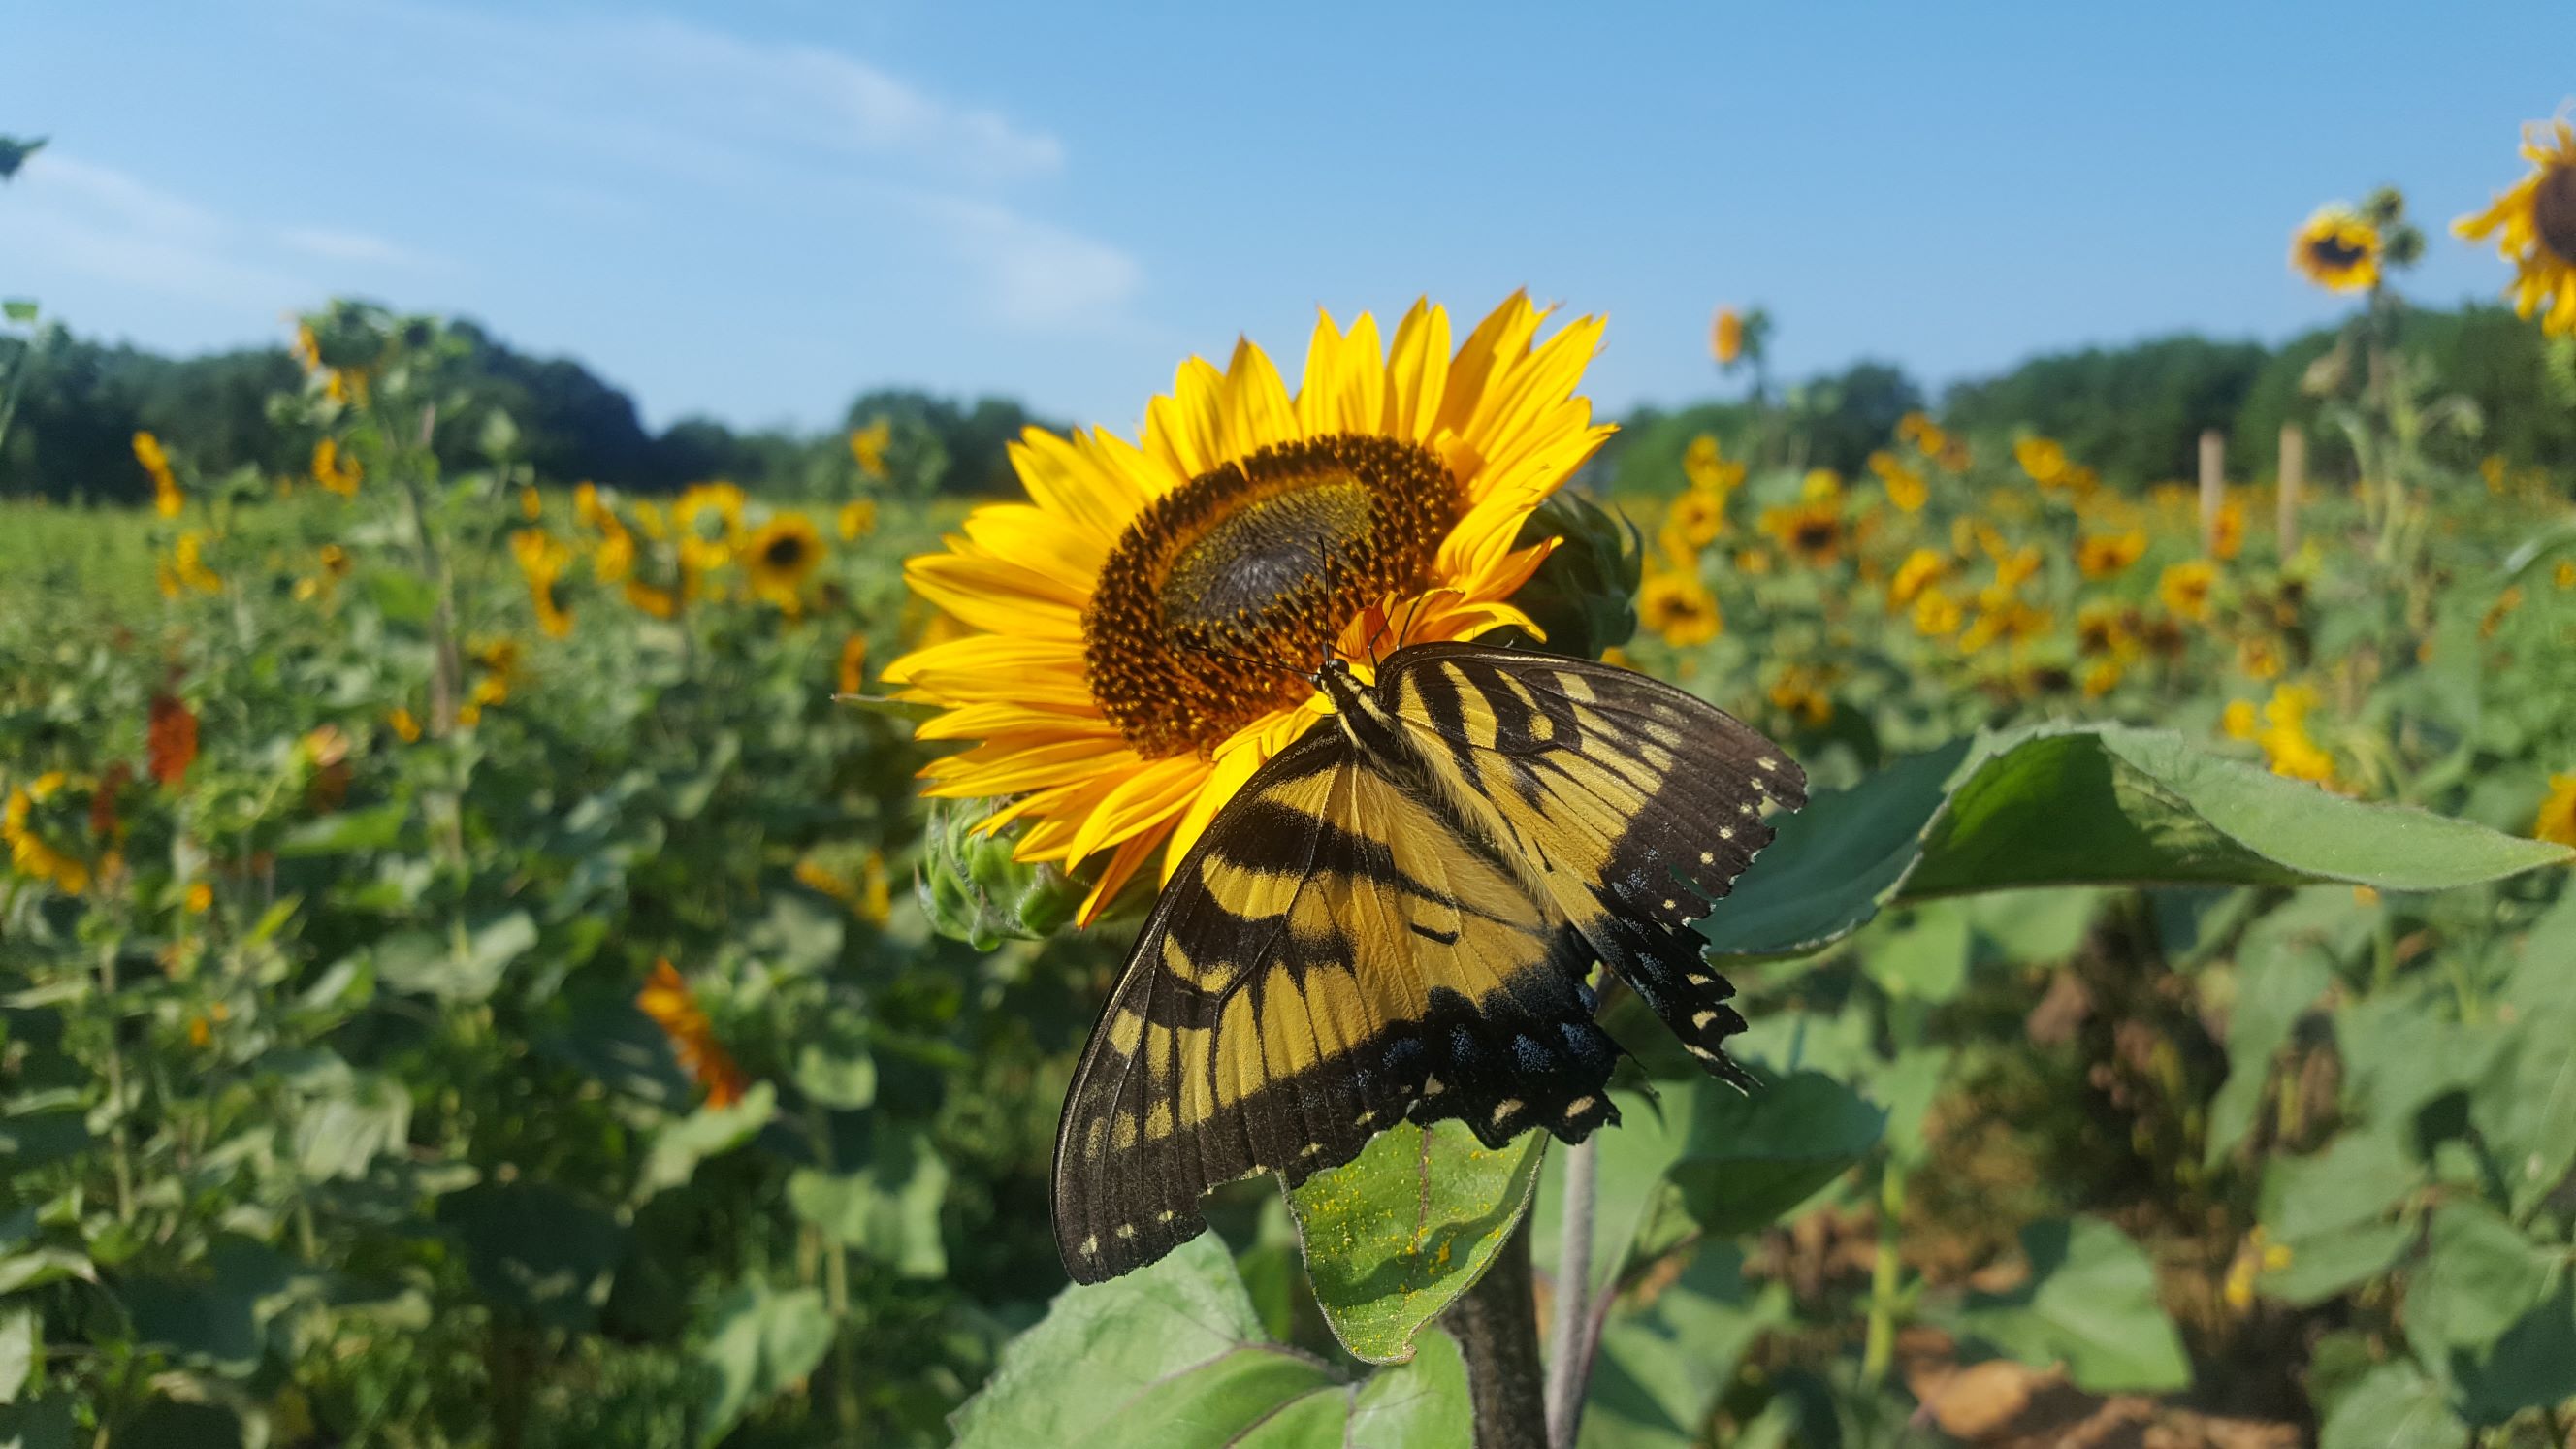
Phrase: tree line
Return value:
(2134, 412)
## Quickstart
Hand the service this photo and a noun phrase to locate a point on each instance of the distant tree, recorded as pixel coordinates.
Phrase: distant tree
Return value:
(1848, 415)
(2133, 413)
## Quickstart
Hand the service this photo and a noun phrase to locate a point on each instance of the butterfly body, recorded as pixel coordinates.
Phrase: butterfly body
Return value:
(1396, 919)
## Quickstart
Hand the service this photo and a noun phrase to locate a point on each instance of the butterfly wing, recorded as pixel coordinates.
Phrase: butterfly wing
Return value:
(1629, 804)
(1334, 954)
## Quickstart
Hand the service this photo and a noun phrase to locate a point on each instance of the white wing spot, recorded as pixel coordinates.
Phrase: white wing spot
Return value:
(1310, 1149)
(1724, 832)
(1579, 1106)
(1505, 1108)
(1702, 1019)
(1766, 763)
(1672, 905)
(1433, 1086)
(1165, 1216)
(1707, 857)
(1126, 1230)
(1091, 1246)
(1365, 1118)
(1744, 807)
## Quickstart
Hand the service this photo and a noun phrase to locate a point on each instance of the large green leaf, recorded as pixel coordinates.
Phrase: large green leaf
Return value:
(710, 1131)
(2082, 805)
(22, 1344)
(2272, 993)
(1701, 1156)
(1662, 1366)
(763, 1343)
(2394, 1407)
(2525, 1102)
(2089, 1304)
(1396, 1234)
(2479, 1276)
(537, 1248)
(2531, 1365)
(2358, 1176)
(888, 1209)
(1173, 1354)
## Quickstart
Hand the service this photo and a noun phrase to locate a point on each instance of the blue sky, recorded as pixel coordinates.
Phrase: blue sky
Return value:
(756, 210)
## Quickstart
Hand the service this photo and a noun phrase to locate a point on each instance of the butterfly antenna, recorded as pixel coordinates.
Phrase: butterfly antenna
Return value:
(1252, 660)
(1410, 615)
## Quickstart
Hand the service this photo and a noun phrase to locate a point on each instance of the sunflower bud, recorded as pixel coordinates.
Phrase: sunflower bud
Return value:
(2403, 245)
(973, 891)
(1585, 595)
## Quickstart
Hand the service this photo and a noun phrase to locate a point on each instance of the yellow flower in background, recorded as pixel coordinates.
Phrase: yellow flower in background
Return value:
(707, 518)
(2102, 676)
(666, 998)
(2534, 226)
(185, 569)
(1697, 517)
(2185, 588)
(2043, 459)
(1726, 336)
(1801, 692)
(1821, 485)
(2103, 629)
(1812, 530)
(405, 728)
(167, 499)
(200, 898)
(2239, 721)
(2500, 610)
(2338, 250)
(30, 854)
(2260, 658)
(2003, 622)
(1925, 434)
(1906, 486)
(854, 663)
(1936, 614)
(857, 519)
(868, 447)
(1922, 568)
(612, 559)
(1679, 608)
(542, 560)
(2566, 573)
(1120, 682)
(587, 508)
(653, 599)
(2557, 818)
(532, 504)
(2108, 555)
(336, 470)
(1707, 466)
(2287, 746)
(780, 557)
(2227, 535)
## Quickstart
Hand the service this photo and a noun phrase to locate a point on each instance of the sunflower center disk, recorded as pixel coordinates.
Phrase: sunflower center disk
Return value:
(1224, 593)
(2553, 212)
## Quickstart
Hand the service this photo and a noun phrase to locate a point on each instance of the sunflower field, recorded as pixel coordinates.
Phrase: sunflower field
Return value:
(495, 959)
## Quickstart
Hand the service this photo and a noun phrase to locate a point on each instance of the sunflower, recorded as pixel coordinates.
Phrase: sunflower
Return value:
(674, 1008)
(1679, 608)
(1936, 614)
(1812, 530)
(2557, 818)
(782, 554)
(2104, 555)
(336, 471)
(1141, 629)
(868, 447)
(1922, 569)
(167, 499)
(2338, 250)
(1726, 336)
(708, 519)
(2044, 459)
(542, 560)
(1708, 468)
(1906, 486)
(1697, 516)
(2534, 226)
(853, 667)
(2185, 588)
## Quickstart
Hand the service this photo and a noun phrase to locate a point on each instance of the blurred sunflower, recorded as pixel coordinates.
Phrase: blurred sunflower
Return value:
(1678, 608)
(2534, 226)
(857, 519)
(780, 556)
(2105, 555)
(852, 672)
(707, 517)
(2227, 531)
(666, 998)
(868, 447)
(2185, 588)
(1803, 694)
(1697, 517)
(1143, 626)
(1906, 486)
(167, 499)
(2287, 746)
(1726, 336)
(337, 471)
(186, 568)
(2338, 250)
(1936, 614)
(30, 853)
(1921, 569)
(542, 560)
(1813, 530)
(1707, 467)
(2557, 818)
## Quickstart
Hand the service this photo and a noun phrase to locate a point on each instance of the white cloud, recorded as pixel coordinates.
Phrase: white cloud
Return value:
(1036, 275)
(332, 244)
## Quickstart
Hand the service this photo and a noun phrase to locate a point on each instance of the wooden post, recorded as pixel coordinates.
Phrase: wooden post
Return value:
(2294, 476)
(2213, 486)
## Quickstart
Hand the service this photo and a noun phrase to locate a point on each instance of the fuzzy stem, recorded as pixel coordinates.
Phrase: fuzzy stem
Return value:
(1496, 1325)
(1885, 1277)
(1570, 1337)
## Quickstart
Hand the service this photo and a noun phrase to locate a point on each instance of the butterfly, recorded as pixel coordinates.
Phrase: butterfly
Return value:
(1396, 918)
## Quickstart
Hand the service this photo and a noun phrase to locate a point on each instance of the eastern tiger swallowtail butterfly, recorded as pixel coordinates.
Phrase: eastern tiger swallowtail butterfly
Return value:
(1396, 918)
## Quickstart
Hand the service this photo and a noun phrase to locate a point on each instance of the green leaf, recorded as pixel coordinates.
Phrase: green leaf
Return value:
(44, 1424)
(1133, 1360)
(2090, 1304)
(1924, 957)
(32, 1139)
(2395, 1406)
(838, 1074)
(535, 1247)
(2325, 1264)
(466, 969)
(1419, 1404)
(339, 1136)
(40, 1266)
(1662, 1367)
(2272, 993)
(2479, 1276)
(710, 1131)
(2525, 1102)
(1702, 1155)
(20, 310)
(764, 1343)
(378, 827)
(1393, 1236)
(22, 1347)
(2056, 805)
(888, 1209)
(217, 1321)
(2531, 1365)
(2359, 1176)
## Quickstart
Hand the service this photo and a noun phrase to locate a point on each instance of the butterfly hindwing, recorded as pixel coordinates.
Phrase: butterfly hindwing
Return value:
(1632, 804)
(1336, 953)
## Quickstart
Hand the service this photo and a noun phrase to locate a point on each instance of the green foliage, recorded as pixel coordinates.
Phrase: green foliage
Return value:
(2135, 413)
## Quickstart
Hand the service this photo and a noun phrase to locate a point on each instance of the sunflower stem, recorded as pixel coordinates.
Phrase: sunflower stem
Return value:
(1570, 1337)
(1496, 1325)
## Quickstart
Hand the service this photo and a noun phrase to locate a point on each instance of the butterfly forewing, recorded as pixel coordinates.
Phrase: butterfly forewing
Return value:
(1335, 954)
(1630, 805)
